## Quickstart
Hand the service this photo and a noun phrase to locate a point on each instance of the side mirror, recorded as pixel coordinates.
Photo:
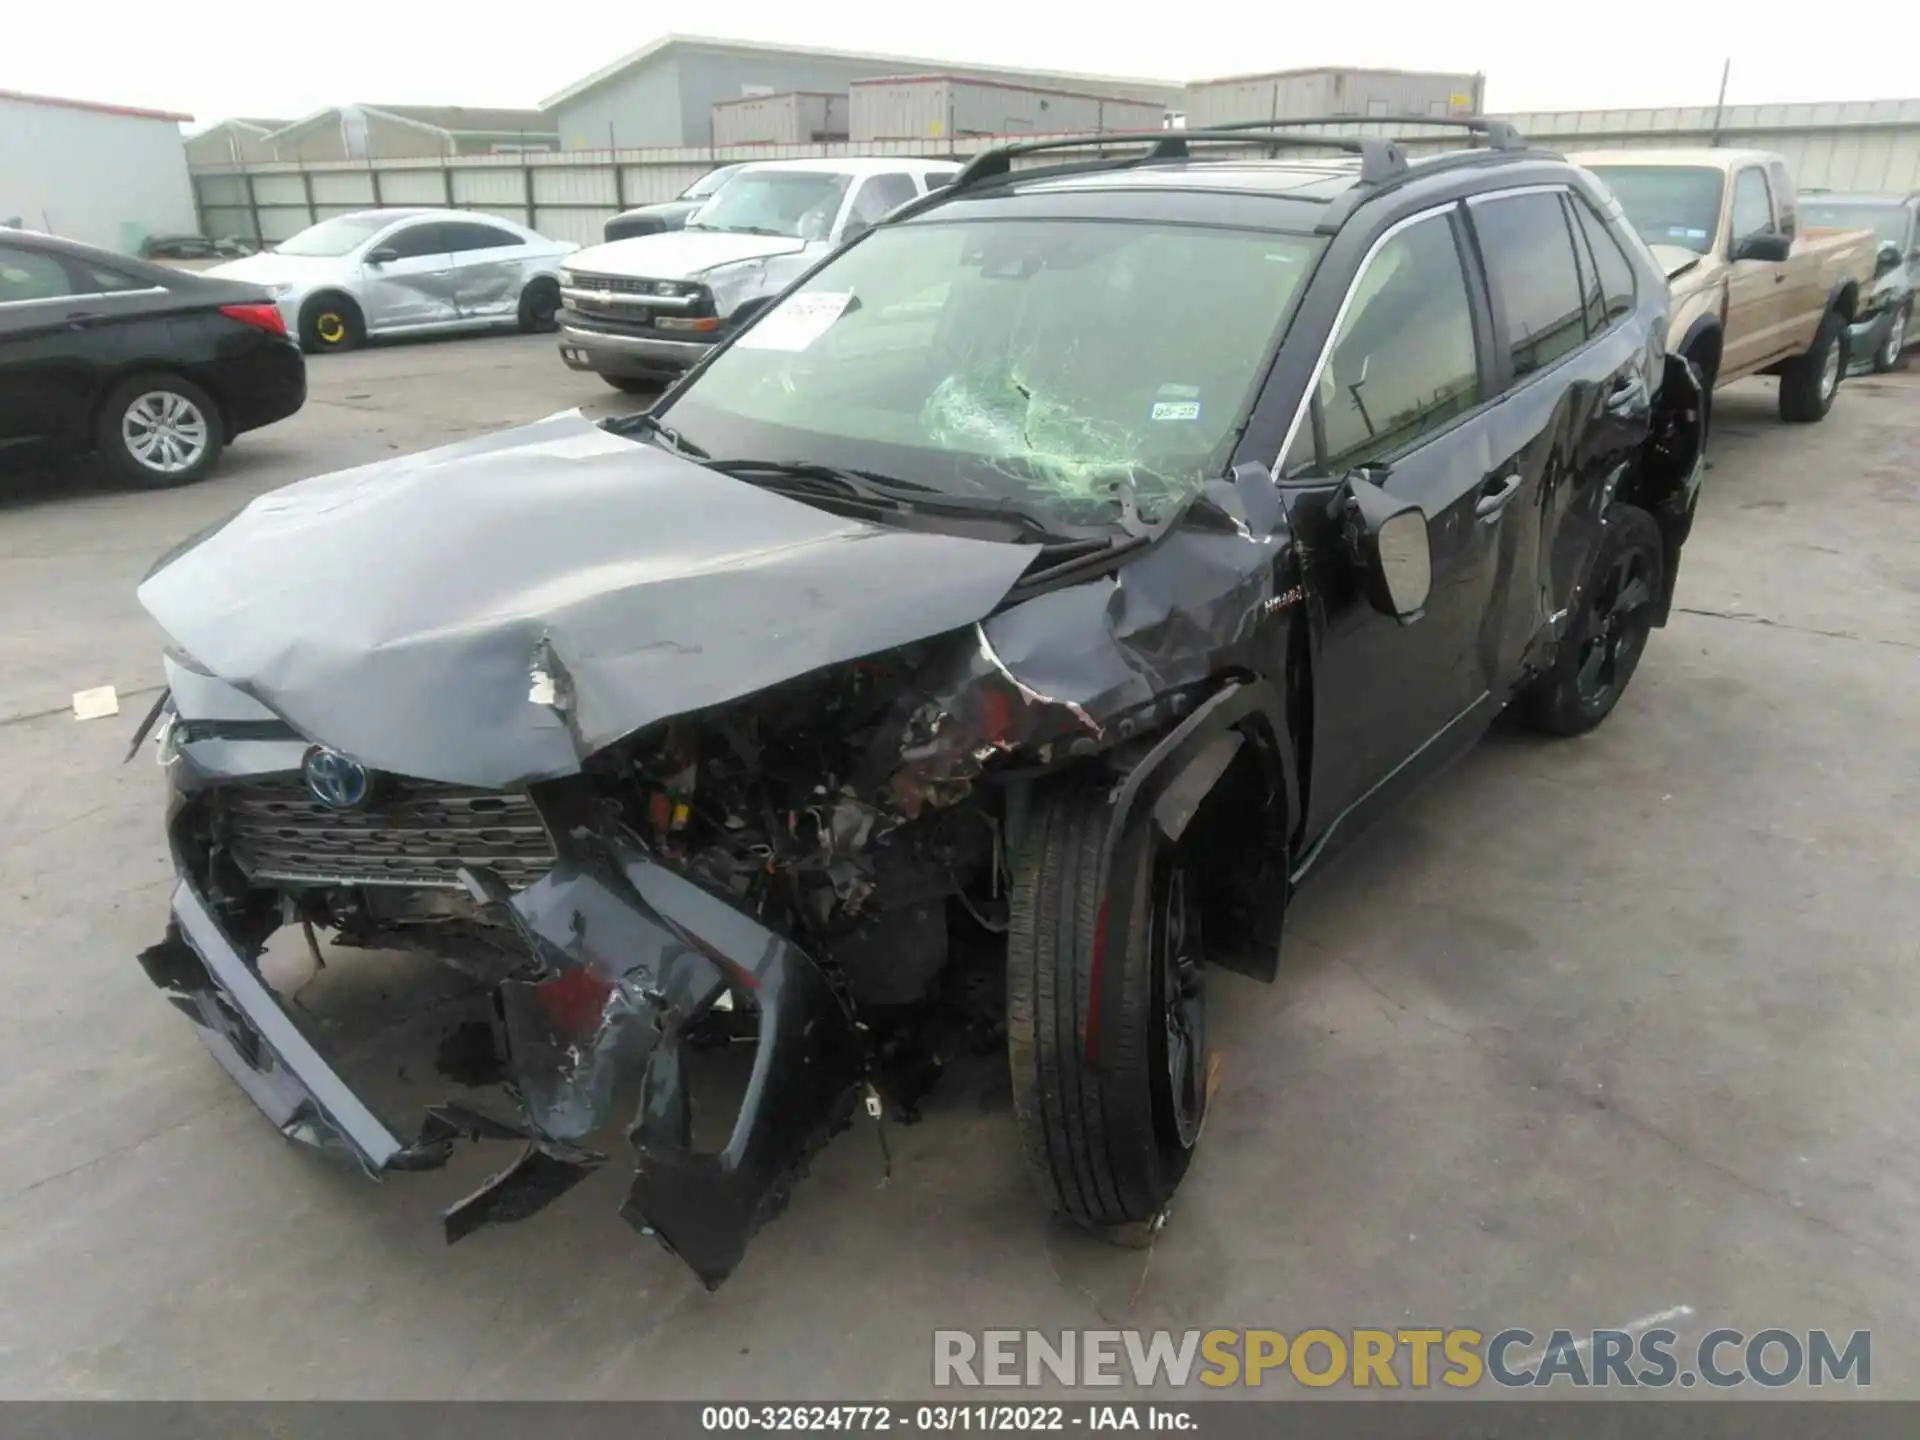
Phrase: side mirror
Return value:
(1387, 538)
(382, 255)
(1771, 248)
(1887, 261)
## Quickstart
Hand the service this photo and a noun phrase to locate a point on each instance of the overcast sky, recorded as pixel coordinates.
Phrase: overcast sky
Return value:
(242, 57)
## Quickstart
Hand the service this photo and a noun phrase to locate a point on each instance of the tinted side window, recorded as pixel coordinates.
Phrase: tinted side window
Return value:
(1783, 198)
(1403, 363)
(416, 240)
(1592, 301)
(1752, 211)
(880, 195)
(108, 281)
(29, 275)
(457, 235)
(1616, 271)
(1536, 284)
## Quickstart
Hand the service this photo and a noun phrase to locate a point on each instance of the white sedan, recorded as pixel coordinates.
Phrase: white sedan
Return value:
(407, 272)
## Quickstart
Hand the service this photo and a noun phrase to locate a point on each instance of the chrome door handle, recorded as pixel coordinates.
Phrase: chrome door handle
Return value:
(1497, 495)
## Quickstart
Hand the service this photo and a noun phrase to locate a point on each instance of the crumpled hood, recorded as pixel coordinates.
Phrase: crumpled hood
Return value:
(678, 254)
(398, 612)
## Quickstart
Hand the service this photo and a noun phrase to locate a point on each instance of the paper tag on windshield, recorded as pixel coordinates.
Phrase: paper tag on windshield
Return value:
(797, 322)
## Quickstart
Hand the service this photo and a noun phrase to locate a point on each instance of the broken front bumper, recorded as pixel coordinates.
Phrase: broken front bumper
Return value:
(632, 954)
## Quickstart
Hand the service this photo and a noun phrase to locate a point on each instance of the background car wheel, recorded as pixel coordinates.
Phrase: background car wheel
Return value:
(1106, 1149)
(540, 307)
(1613, 615)
(1892, 354)
(159, 430)
(633, 385)
(1808, 384)
(331, 322)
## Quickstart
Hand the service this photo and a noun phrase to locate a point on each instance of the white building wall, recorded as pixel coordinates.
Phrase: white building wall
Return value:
(92, 175)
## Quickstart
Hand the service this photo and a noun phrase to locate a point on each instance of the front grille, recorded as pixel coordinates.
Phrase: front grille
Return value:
(415, 833)
(618, 284)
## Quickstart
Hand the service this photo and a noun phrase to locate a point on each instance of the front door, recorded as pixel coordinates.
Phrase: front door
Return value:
(413, 285)
(1758, 298)
(1406, 368)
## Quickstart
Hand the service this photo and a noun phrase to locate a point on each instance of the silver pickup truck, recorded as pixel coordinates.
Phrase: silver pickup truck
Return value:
(643, 310)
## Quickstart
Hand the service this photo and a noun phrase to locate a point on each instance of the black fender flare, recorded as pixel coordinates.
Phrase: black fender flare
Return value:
(1160, 794)
(1844, 300)
(1701, 328)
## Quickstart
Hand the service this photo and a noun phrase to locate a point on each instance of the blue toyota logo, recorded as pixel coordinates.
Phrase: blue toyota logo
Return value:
(334, 780)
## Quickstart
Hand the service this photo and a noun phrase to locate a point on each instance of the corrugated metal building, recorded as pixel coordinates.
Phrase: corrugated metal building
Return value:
(1362, 94)
(234, 141)
(795, 118)
(104, 174)
(664, 94)
(402, 132)
(920, 107)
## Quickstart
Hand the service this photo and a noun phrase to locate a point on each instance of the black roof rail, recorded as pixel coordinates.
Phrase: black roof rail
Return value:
(1380, 159)
(1499, 134)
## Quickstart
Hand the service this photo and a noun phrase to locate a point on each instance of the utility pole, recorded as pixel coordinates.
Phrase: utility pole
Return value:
(1720, 105)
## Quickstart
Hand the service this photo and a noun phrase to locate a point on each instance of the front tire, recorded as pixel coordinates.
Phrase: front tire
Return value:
(158, 430)
(1108, 1148)
(1613, 619)
(540, 307)
(329, 323)
(1892, 354)
(633, 385)
(1809, 383)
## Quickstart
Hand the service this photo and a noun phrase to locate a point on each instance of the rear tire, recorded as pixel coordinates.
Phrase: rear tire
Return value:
(633, 385)
(1609, 633)
(1809, 382)
(1892, 354)
(331, 322)
(540, 307)
(1107, 1148)
(157, 430)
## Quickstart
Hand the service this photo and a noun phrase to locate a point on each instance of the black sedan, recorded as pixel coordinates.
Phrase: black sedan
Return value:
(152, 368)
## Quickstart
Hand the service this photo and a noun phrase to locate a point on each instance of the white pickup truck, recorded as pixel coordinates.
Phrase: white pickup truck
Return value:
(643, 310)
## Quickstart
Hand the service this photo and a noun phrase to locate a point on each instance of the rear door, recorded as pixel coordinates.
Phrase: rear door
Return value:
(416, 286)
(489, 262)
(1575, 400)
(1402, 387)
(65, 323)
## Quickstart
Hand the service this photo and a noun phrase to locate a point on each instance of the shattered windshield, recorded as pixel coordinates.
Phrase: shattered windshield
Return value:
(1081, 369)
(800, 204)
(1888, 221)
(1668, 204)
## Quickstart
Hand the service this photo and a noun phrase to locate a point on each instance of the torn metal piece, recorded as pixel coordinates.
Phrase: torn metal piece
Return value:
(541, 1175)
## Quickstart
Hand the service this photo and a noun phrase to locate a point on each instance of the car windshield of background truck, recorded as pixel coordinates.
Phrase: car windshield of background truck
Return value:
(1668, 204)
(1072, 367)
(1888, 221)
(799, 204)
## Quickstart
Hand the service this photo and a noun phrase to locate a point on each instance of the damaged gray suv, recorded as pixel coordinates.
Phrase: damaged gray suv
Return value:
(975, 650)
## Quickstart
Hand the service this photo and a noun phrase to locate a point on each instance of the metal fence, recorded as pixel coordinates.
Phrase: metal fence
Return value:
(570, 194)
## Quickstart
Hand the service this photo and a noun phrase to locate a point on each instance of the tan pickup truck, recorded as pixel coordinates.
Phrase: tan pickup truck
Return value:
(1753, 293)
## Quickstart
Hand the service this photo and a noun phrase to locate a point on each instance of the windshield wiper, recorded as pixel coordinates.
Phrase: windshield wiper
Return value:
(875, 488)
